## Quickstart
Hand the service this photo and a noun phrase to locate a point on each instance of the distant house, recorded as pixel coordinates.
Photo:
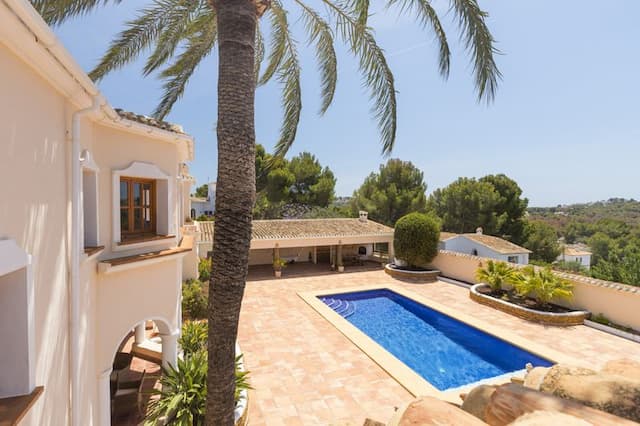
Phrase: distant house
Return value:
(482, 245)
(204, 205)
(578, 253)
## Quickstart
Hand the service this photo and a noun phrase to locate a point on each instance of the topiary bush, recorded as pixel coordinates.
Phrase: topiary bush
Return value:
(415, 239)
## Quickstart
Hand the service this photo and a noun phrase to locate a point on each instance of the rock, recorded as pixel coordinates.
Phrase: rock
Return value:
(610, 393)
(477, 400)
(546, 418)
(534, 377)
(430, 411)
(623, 367)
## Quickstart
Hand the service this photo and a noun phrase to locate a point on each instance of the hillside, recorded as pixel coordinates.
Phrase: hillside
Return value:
(616, 209)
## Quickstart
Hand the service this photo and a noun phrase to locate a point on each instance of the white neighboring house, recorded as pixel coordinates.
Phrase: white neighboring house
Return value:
(204, 206)
(482, 245)
(578, 253)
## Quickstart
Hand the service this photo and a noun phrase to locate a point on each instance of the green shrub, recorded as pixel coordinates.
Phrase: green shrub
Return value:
(204, 269)
(193, 337)
(194, 300)
(204, 218)
(496, 275)
(543, 285)
(415, 239)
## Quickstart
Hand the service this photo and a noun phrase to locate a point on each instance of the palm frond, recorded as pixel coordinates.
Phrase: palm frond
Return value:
(179, 23)
(55, 12)
(377, 75)
(320, 33)
(259, 50)
(289, 76)
(139, 34)
(199, 45)
(427, 16)
(277, 46)
(480, 43)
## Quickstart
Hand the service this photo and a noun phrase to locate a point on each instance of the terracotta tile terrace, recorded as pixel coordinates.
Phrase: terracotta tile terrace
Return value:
(306, 372)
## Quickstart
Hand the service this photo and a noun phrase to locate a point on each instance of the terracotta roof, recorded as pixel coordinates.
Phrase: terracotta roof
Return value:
(446, 235)
(496, 243)
(576, 250)
(150, 121)
(280, 229)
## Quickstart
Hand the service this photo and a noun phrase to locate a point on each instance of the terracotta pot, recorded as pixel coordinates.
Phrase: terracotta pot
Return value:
(278, 274)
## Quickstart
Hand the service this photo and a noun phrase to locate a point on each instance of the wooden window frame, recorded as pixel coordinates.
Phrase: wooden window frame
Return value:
(131, 232)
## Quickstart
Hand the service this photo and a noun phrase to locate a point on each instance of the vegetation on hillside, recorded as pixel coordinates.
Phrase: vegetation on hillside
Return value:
(610, 228)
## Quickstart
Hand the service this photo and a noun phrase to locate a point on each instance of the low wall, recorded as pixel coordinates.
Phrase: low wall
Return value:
(618, 302)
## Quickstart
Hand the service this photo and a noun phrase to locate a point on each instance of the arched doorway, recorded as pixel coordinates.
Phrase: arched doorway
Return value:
(125, 386)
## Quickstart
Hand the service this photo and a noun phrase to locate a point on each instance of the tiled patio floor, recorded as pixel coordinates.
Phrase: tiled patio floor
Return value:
(305, 372)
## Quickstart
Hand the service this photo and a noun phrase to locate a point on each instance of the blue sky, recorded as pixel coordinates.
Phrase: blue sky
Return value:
(565, 124)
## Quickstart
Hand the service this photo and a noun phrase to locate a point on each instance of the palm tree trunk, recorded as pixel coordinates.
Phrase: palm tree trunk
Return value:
(234, 199)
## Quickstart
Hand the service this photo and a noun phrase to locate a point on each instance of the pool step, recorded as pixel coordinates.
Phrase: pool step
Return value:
(342, 307)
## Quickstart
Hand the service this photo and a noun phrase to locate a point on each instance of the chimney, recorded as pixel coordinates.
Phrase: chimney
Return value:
(363, 216)
(479, 230)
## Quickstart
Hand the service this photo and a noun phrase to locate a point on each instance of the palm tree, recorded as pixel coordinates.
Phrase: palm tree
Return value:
(543, 284)
(180, 33)
(496, 275)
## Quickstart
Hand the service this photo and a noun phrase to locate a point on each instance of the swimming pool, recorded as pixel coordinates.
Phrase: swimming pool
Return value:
(446, 352)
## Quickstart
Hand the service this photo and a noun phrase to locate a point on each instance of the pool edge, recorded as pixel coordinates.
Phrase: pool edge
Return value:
(401, 373)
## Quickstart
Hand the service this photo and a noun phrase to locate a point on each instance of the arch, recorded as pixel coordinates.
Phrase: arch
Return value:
(164, 328)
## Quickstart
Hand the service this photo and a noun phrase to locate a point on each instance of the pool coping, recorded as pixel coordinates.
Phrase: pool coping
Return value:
(400, 372)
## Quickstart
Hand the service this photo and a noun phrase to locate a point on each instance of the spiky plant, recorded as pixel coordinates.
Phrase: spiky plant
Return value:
(543, 285)
(496, 275)
(179, 34)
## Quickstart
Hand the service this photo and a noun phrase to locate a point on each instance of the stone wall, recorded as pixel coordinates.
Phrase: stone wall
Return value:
(618, 302)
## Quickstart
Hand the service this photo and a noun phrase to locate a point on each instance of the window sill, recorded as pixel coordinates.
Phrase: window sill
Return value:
(13, 409)
(146, 241)
(128, 262)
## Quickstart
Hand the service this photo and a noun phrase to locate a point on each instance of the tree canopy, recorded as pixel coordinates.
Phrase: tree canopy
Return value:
(396, 189)
(202, 191)
(510, 207)
(542, 240)
(299, 181)
(465, 205)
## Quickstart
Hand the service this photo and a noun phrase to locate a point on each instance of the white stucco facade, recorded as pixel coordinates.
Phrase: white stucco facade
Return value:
(204, 206)
(69, 316)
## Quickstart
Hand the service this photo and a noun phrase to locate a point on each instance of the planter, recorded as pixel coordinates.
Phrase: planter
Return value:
(548, 318)
(278, 274)
(340, 268)
(417, 276)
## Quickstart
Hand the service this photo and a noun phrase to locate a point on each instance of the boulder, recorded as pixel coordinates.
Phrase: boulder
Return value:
(430, 411)
(610, 393)
(477, 400)
(546, 418)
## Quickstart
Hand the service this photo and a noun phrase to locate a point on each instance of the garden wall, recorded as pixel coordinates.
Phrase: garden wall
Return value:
(618, 302)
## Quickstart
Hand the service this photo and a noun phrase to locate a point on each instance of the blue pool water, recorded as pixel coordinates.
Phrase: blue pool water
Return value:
(444, 351)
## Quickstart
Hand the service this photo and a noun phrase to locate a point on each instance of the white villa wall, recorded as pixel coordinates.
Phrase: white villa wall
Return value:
(464, 245)
(34, 213)
(584, 260)
(35, 180)
(618, 302)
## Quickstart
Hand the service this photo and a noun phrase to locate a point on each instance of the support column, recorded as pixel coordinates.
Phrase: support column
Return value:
(139, 333)
(276, 252)
(104, 398)
(315, 255)
(339, 260)
(391, 252)
(169, 349)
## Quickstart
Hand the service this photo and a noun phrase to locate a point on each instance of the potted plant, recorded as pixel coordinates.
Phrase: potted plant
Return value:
(278, 265)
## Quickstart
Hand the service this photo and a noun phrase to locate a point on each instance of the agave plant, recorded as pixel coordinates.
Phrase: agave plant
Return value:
(543, 285)
(497, 274)
(182, 400)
